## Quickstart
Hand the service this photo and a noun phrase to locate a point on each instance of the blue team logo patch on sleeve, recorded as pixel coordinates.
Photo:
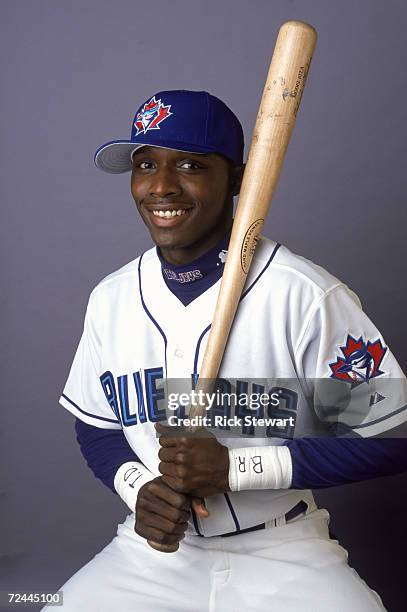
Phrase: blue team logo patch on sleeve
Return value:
(151, 115)
(360, 362)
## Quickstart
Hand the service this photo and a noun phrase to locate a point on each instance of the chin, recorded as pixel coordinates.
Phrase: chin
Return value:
(167, 239)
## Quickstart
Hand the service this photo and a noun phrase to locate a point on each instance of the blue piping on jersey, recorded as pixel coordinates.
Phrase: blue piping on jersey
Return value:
(278, 245)
(205, 331)
(232, 511)
(383, 418)
(89, 413)
(198, 347)
(150, 316)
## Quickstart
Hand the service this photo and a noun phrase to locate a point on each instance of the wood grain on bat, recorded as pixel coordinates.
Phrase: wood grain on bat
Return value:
(274, 124)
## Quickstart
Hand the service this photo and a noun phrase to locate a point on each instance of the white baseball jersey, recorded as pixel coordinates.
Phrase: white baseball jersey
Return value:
(295, 323)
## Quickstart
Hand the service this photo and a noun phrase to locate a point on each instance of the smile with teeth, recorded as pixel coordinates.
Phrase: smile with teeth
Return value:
(169, 213)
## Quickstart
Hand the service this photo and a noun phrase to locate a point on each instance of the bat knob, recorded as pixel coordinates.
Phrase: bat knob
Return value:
(165, 548)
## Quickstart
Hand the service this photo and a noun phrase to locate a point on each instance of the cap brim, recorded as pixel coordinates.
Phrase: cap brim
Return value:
(116, 157)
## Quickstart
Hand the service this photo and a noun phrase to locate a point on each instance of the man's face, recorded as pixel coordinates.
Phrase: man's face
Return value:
(185, 199)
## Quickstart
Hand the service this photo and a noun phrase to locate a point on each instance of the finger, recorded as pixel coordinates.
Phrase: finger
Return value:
(171, 454)
(158, 522)
(169, 430)
(176, 485)
(166, 440)
(198, 505)
(164, 491)
(176, 477)
(161, 508)
(172, 469)
(156, 535)
(163, 429)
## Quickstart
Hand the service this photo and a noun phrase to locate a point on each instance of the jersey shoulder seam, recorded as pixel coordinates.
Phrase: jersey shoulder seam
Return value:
(313, 309)
(304, 276)
(312, 273)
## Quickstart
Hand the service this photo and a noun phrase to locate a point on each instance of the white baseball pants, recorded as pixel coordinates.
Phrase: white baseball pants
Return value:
(294, 567)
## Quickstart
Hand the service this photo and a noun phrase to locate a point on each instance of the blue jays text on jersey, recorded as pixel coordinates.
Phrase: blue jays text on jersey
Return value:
(145, 398)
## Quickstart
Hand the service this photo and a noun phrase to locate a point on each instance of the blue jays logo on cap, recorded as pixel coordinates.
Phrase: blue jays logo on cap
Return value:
(151, 115)
(360, 362)
(198, 122)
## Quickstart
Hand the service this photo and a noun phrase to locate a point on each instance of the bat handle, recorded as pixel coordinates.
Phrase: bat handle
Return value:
(200, 508)
(165, 548)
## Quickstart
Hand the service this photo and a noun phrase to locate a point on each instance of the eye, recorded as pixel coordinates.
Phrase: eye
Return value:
(190, 164)
(143, 164)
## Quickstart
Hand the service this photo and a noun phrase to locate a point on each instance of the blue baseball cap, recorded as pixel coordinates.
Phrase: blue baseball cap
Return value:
(193, 121)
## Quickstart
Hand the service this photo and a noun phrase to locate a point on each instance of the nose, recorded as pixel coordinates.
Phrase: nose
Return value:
(164, 183)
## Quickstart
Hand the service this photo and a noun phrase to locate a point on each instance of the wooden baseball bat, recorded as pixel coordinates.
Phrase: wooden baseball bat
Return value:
(274, 124)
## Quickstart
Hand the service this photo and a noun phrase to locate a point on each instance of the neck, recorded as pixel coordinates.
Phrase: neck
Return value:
(181, 256)
(188, 281)
(204, 264)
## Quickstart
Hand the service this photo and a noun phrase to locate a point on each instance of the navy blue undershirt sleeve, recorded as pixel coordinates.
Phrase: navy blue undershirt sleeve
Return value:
(319, 463)
(104, 450)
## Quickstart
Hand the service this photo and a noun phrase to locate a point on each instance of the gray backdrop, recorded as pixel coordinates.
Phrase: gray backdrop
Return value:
(73, 74)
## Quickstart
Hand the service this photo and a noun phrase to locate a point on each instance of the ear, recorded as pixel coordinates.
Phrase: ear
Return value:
(236, 176)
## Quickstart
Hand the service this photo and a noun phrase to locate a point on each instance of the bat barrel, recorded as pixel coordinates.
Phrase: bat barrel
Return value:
(274, 124)
(276, 116)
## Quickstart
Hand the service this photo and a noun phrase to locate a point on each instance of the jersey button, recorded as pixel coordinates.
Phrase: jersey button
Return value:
(179, 353)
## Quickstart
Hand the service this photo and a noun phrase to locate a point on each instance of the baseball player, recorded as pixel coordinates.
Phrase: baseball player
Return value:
(238, 499)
